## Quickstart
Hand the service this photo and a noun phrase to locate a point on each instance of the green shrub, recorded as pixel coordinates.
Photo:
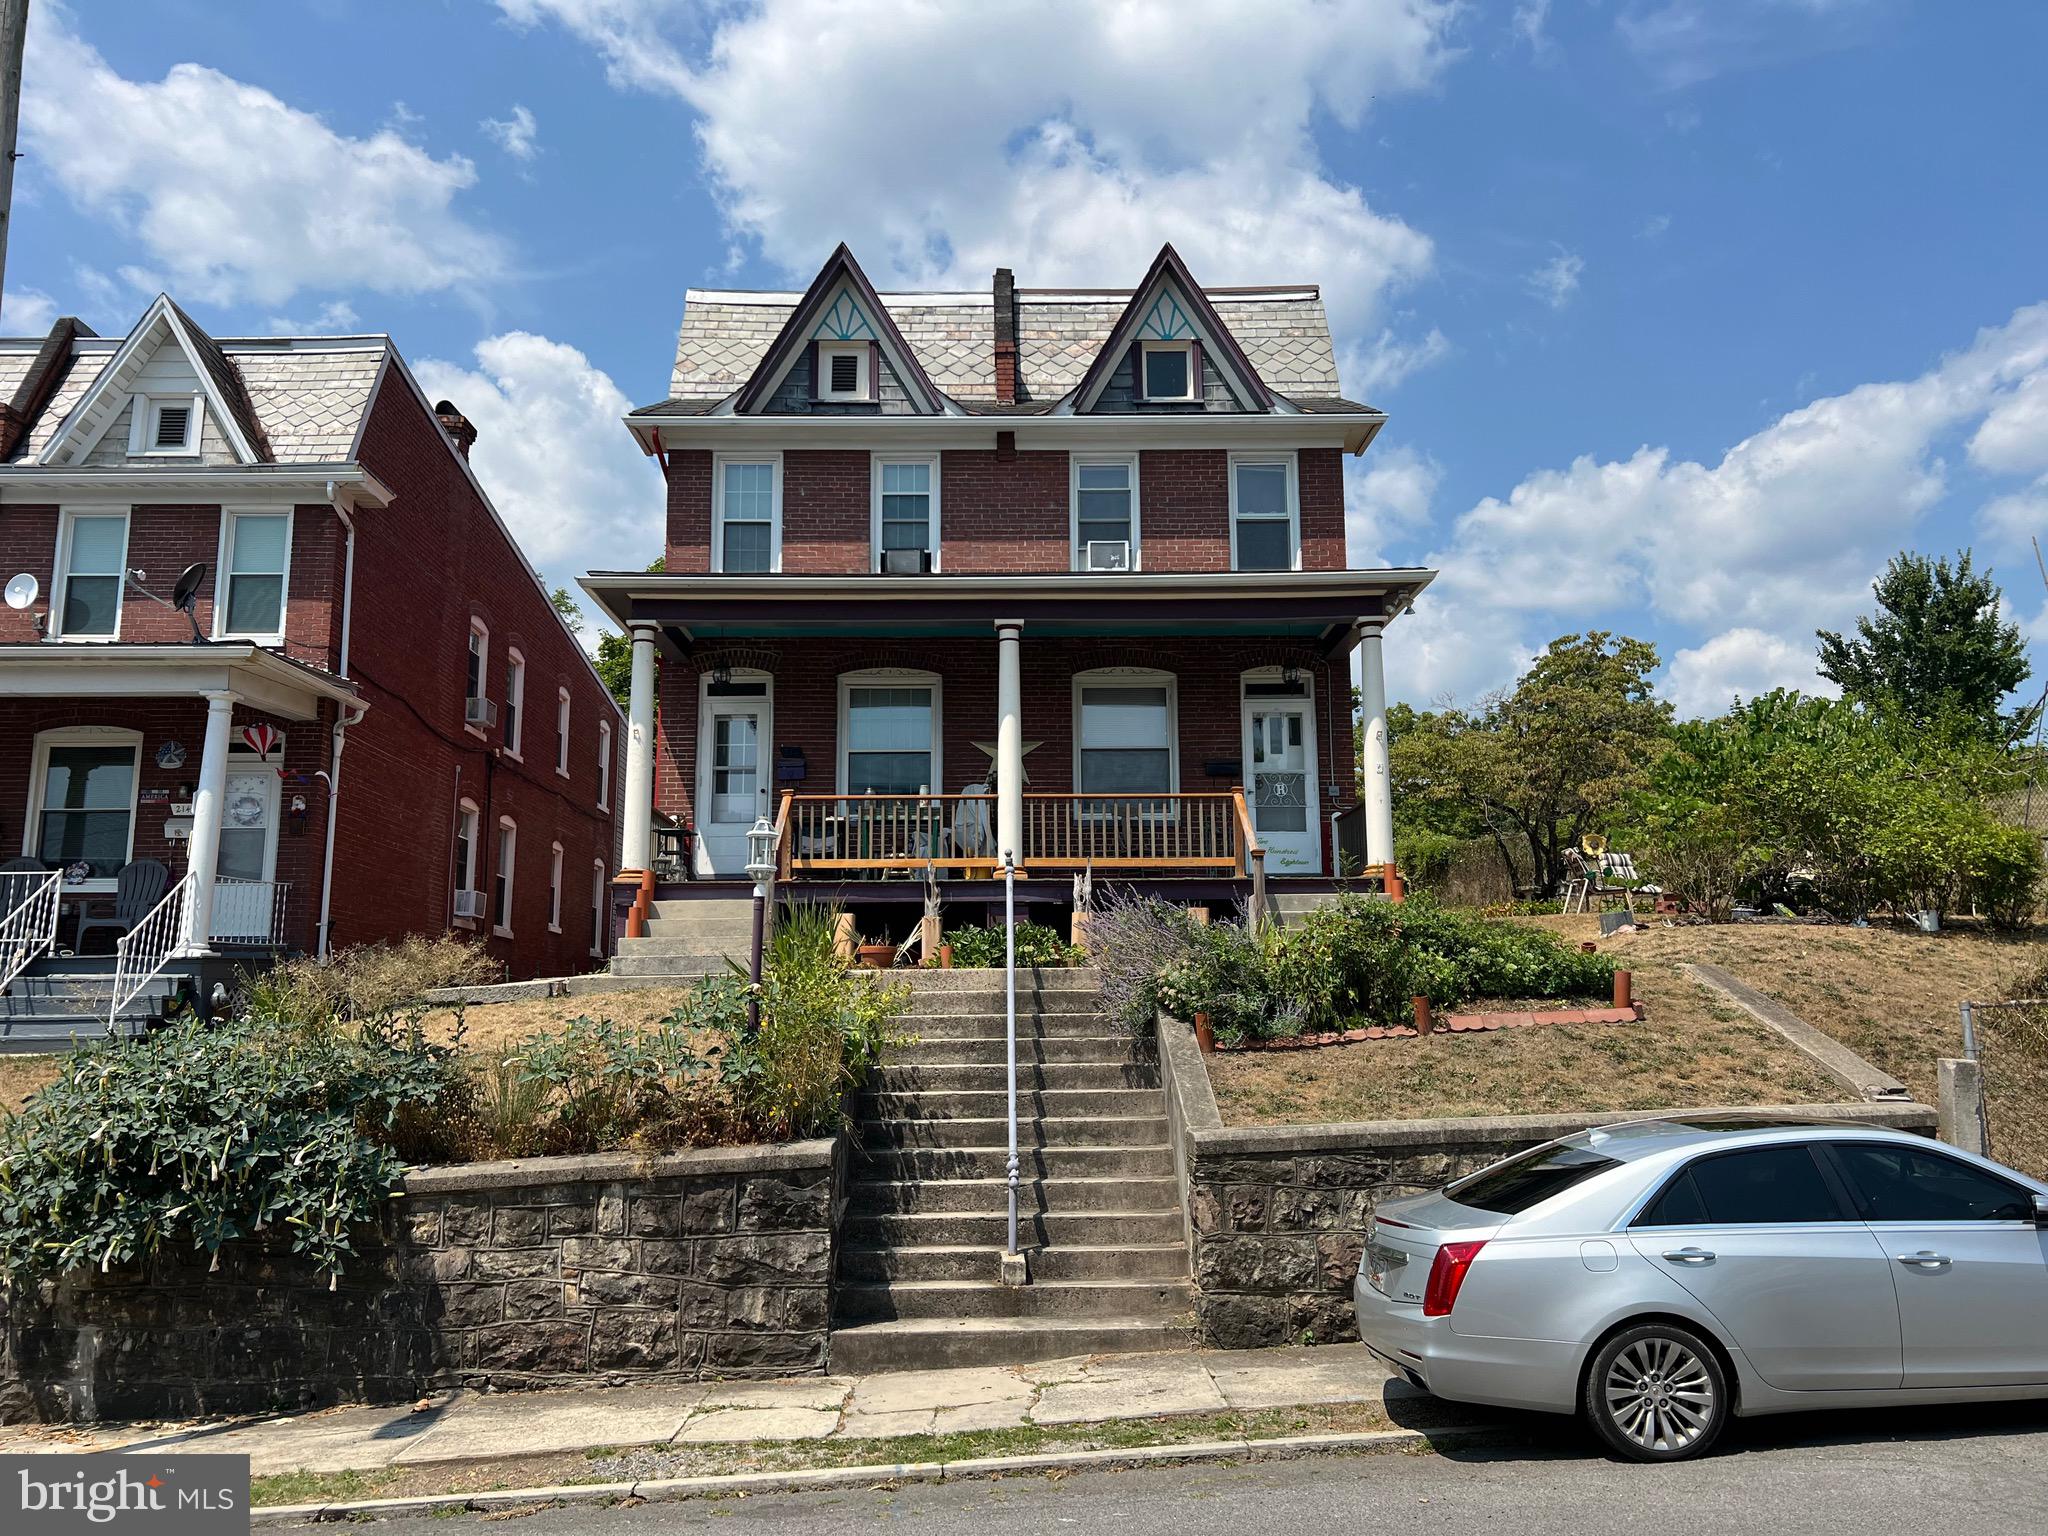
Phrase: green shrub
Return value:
(197, 1135)
(1227, 972)
(977, 947)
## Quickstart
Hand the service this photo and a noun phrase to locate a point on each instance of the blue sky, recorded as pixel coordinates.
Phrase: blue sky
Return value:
(1686, 314)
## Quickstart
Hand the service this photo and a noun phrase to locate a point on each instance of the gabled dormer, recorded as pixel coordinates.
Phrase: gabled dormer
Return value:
(1169, 351)
(168, 395)
(840, 353)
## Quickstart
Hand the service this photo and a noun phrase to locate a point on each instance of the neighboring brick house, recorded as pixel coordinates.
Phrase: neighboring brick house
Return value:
(1059, 573)
(436, 751)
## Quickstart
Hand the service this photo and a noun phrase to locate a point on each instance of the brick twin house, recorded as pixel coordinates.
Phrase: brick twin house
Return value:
(1059, 574)
(366, 721)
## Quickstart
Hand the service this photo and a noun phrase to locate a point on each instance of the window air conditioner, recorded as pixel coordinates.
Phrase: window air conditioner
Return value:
(1109, 554)
(479, 712)
(906, 562)
(469, 903)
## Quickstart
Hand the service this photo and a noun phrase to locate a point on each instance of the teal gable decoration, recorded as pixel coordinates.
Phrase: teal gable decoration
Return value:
(844, 321)
(1167, 321)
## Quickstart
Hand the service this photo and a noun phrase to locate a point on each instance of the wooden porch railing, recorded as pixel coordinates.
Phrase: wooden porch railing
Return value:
(838, 835)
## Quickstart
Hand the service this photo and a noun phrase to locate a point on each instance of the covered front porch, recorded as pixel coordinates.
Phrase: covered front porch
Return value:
(1192, 733)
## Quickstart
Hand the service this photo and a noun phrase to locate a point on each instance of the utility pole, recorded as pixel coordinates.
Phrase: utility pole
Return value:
(13, 35)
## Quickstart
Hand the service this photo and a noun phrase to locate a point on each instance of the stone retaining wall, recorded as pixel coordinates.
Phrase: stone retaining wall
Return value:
(544, 1272)
(1277, 1214)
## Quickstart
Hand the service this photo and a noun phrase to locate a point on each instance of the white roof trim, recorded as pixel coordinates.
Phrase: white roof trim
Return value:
(263, 679)
(103, 400)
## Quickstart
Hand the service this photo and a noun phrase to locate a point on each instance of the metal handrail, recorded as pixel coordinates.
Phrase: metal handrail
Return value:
(141, 953)
(30, 927)
(1010, 1011)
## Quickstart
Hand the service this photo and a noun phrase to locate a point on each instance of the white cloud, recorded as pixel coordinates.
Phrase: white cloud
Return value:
(335, 317)
(1740, 664)
(1654, 227)
(1065, 140)
(1557, 279)
(2014, 436)
(517, 135)
(27, 312)
(1392, 493)
(2017, 517)
(233, 194)
(1683, 42)
(566, 475)
(1528, 21)
(1376, 369)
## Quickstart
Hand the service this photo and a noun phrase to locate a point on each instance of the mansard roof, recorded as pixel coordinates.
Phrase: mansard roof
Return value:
(1282, 333)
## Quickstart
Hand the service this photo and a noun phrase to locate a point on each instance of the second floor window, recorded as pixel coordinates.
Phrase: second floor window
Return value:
(562, 732)
(1264, 525)
(473, 683)
(746, 503)
(1106, 514)
(515, 701)
(906, 509)
(95, 551)
(604, 765)
(258, 551)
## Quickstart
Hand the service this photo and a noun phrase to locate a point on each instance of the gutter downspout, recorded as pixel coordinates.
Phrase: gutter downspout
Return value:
(341, 719)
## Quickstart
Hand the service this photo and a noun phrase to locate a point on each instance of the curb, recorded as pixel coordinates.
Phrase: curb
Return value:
(842, 1477)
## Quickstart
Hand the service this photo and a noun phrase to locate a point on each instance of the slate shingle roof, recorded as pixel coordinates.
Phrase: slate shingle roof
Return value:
(1284, 332)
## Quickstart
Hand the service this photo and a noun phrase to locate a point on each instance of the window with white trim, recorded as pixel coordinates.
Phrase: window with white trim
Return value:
(255, 562)
(92, 564)
(165, 424)
(843, 371)
(906, 505)
(889, 733)
(514, 717)
(604, 765)
(84, 782)
(597, 884)
(562, 732)
(1265, 513)
(1104, 495)
(475, 679)
(746, 501)
(555, 888)
(465, 851)
(1169, 370)
(501, 878)
(1125, 735)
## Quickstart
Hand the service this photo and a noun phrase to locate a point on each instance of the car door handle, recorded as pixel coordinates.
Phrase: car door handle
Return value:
(1690, 1256)
(1926, 1258)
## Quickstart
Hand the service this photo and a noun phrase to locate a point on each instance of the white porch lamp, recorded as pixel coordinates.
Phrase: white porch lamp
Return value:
(761, 865)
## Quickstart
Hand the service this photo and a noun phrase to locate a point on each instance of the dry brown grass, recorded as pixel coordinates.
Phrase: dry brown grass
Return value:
(490, 1027)
(21, 1076)
(1888, 994)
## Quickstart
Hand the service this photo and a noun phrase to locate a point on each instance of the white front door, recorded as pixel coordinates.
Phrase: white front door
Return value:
(735, 722)
(242, 893)
(1280, 775)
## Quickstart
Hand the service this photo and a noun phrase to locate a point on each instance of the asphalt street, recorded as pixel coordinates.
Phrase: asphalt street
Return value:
(1959, 1469)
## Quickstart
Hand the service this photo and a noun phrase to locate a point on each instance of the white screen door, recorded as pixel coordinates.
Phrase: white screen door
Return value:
(1280, 768)
(242, 894)
(732, 775)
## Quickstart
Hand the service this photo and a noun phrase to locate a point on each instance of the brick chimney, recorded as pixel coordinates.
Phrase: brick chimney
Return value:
(460, 432)
(51, 362)
(1006, 336)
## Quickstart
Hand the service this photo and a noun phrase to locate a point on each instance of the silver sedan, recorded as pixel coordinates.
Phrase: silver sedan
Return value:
(1659, 1276)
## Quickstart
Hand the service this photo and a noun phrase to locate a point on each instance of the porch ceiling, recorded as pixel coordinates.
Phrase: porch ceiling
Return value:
(259, 678)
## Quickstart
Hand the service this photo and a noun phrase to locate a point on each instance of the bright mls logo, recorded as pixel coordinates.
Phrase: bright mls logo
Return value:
(162, 1496)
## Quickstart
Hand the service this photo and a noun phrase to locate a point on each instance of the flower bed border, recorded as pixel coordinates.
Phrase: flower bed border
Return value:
(1445, 1024)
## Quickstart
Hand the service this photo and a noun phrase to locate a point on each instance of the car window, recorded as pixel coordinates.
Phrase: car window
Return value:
(1896, 1183)
(1763, 1186)
(1678, 1206)
(1528, 1179)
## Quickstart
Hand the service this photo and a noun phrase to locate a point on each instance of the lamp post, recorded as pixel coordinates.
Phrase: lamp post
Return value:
(761, 865)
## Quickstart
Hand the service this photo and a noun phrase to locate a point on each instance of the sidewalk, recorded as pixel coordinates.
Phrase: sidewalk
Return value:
(472, 1426)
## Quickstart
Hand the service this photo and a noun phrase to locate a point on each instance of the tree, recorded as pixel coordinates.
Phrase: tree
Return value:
(1936, 640)
(566, 605)
(614, 659)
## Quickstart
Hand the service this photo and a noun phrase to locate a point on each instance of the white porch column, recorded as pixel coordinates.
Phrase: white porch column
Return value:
(202, 853)
(639, 807)
(1010, 740)
(1378, 784)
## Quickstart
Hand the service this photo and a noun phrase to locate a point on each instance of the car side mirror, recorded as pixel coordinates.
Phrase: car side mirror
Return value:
(2041, 1211)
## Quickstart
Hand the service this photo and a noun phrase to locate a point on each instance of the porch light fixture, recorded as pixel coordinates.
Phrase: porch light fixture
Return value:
(721, 674)
(761, 865)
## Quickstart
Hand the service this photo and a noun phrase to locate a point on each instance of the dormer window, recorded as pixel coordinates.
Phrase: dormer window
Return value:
(845, 371)
(165, 424)
(1169, 370)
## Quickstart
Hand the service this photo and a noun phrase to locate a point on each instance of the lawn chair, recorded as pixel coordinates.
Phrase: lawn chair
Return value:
(17, 878)
(137, 889)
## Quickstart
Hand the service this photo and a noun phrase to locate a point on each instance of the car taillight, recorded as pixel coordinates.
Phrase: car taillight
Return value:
(1446, 1275)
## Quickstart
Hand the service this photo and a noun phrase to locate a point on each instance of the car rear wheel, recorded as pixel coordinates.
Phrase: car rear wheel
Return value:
(1656, 1392)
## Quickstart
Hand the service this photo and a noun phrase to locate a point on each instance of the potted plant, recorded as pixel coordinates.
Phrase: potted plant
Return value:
(876, 954)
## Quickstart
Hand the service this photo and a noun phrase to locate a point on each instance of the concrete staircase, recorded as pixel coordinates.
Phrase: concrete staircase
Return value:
(686, 939)
(61, 1000)
(920, 1262)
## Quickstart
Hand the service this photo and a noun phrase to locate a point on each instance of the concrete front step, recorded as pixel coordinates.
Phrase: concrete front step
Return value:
(688, 966)
(1057, 1103)
(34, 1036)
(855, 1303)
(994, 1026)
(983, 1264)
(1057, 999)
(1078, 1131)
(987, 1194)
(600, 982)
(1087, 1162)
(931, 1344)
(1037, 1229)
(690, 943)
(984, 1076)
(1044, 1050)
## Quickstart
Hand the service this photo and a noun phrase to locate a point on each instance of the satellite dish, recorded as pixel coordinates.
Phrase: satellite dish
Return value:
(186, 592)
(23, 590)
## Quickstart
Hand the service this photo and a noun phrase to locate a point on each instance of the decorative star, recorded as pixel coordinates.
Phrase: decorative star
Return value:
(988, 750)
